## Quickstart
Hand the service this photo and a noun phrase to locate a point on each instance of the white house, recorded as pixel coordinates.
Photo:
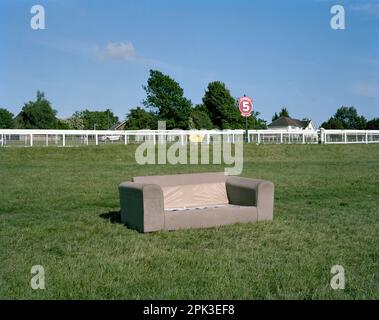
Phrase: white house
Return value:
(286, 123)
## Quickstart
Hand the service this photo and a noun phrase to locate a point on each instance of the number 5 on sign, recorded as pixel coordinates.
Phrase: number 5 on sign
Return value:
(245, 106)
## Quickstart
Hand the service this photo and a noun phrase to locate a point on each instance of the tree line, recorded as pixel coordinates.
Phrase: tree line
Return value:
(165, 100)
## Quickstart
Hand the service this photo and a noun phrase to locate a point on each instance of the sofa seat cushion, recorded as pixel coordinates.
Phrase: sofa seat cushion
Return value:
(194, 195)
(197, 207)
(209, 217)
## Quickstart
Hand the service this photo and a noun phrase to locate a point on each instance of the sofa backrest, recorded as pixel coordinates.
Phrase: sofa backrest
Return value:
(190, 190)
(181, 179)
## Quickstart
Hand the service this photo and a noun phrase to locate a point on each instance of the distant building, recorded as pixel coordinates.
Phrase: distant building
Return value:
(286, 123)
(119, 126)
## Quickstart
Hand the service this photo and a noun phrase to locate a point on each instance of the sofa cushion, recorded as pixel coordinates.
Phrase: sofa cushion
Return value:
(210, 217)
(194, 195)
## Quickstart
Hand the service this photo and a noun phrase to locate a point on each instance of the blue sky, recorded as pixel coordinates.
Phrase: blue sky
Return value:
(97, 54)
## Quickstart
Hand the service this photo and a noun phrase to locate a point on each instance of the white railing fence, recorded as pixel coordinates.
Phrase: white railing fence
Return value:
(25, 137)
(349, 136)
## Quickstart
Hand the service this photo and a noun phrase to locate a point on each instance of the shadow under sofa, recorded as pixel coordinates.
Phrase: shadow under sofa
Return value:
(198, 200)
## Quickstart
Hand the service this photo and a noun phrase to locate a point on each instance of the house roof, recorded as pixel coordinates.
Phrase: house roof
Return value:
(286, 121)
(117, 125)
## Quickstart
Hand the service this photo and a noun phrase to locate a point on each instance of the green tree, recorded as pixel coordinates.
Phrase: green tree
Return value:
(275, 117)
(63, 124)
(90, 120)
(199, 118)
(6, 119)
(373, 124)
(255, 123)
(221, 106)
(76, 121)
(223, 111)
(165, 98)
(332, 123)
(345, 118)
(284, 113)
(139, 118)
(37, 114)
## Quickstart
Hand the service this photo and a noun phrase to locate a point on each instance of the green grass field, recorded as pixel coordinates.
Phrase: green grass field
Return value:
(58, 208)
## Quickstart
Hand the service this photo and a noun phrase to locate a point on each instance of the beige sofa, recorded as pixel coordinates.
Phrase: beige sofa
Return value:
(199, 200)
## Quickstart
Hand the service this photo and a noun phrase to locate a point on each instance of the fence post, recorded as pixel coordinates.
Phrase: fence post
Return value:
(63, 139)
(31, 139)
(344, 137)
(322, 136)
(303, 137)
(47, 140)
(87, 142)
(259, 137)
(366, 137)
(96, 139)
(2, 140)
(125, 139)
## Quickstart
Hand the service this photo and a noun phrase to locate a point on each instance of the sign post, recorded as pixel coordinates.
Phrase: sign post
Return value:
(245, 106)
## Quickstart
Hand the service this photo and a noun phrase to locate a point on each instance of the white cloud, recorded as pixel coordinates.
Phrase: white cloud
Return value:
(120, 51)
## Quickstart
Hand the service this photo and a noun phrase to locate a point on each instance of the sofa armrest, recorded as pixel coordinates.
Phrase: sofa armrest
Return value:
(142, 206)
(252, 192)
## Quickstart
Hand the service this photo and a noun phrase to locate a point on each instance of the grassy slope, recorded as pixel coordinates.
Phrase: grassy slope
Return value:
(327, 212)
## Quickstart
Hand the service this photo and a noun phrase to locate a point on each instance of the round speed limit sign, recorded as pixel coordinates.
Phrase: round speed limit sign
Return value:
(245, 106)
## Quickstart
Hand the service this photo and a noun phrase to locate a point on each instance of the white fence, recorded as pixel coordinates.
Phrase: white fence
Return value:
(349, 136)
(15, 137)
